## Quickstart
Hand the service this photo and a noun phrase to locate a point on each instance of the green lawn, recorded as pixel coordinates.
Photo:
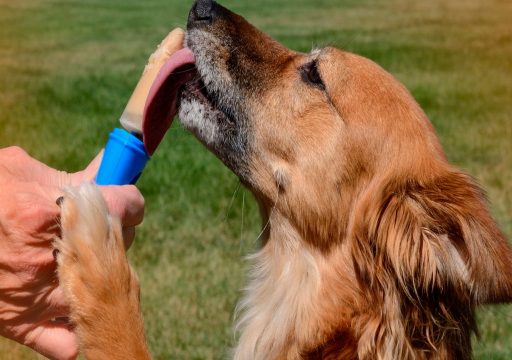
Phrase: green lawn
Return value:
(67, 69)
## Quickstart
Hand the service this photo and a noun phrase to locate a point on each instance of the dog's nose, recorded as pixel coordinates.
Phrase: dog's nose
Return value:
(202, 10)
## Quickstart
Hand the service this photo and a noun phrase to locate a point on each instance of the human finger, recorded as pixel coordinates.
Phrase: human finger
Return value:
(55, 340)
(31, 208)
(56, 305)
(24, 167)
(125, 202)
(89, 173)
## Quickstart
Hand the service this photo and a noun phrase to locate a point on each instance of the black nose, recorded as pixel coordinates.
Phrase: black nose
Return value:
(202, 10)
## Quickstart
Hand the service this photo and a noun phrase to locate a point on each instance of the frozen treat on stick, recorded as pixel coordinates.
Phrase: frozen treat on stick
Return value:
(131, 119)
(125, 154)
(163, 98)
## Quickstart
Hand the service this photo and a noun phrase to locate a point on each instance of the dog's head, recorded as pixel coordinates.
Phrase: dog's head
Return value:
(314, 128)
(341, 149)
(324, 136)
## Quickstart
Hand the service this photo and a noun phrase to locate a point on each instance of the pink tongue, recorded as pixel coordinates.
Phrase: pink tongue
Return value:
(161, 104)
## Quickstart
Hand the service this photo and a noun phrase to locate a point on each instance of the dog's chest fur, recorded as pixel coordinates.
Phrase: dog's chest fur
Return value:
(287, 309)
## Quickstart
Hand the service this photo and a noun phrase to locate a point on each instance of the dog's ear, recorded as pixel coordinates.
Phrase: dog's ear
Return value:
(435, 236)
(425, 253)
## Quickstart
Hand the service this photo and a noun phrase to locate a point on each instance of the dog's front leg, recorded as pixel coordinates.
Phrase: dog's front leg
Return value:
(101, 287)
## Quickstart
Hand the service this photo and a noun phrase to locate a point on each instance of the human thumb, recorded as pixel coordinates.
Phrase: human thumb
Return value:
(89, 173)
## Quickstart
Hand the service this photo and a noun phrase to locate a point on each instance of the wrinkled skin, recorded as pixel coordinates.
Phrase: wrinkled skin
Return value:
(30, 296)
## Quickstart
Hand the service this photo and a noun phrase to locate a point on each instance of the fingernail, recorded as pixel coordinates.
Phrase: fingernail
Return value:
(59, 200)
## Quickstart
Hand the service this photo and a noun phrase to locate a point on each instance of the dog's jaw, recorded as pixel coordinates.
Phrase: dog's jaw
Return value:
(210, 110)
(200, 118)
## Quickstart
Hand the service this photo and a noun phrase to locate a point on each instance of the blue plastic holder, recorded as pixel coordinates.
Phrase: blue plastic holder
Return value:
(123, 160)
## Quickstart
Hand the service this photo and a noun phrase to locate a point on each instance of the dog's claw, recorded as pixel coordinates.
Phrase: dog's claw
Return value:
(59, 200)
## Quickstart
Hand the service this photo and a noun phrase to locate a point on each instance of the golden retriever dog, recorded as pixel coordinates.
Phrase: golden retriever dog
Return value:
(373, 245)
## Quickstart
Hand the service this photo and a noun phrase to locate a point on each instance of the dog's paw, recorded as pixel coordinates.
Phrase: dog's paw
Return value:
(92, 267)
(96, 279)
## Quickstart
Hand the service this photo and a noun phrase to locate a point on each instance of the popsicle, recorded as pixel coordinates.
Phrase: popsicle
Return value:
(128, 151)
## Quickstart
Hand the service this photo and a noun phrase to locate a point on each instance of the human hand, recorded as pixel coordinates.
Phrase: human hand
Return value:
(30, 297)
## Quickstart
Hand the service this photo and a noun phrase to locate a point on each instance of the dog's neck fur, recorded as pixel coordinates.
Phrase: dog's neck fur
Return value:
(286, 306)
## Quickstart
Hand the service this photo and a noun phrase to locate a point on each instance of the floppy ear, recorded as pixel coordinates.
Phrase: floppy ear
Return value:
(437, 236)
(425, 253)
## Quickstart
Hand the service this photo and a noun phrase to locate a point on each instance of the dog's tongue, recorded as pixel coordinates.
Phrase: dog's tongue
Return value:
(162, 101)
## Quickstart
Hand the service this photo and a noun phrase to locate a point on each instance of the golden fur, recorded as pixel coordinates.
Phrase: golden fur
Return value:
(97, 280)
(374, 246)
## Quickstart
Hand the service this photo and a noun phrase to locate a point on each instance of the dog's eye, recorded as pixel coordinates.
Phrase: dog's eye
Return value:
(309, 74)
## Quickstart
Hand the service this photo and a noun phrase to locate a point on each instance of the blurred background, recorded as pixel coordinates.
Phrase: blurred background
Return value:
(67, 69)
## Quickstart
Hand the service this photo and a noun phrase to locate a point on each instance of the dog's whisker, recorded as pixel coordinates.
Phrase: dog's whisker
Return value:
(242, 225)
(184, 71)
(270, 212)
(233, 197)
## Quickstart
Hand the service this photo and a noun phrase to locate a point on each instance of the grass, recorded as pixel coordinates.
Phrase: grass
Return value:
(68, 67)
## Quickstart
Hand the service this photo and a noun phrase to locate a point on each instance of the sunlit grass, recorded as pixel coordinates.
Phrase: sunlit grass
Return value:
(68, 67)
